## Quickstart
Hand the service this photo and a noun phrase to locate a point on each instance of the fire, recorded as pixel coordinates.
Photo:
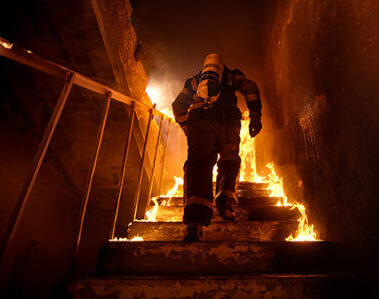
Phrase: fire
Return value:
(6, 44)
(151, 215)
(134, 239)
(305, 230)
(177, 190)
(168, 112)
(248, 170)
(276, 186)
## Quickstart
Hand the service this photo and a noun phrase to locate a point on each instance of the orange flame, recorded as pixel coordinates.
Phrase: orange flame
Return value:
(151, 215)
(305, 231)
(177, 190)
(134, 239)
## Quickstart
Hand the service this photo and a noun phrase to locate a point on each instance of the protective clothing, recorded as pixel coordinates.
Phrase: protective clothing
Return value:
(212, 121)
(255, 125)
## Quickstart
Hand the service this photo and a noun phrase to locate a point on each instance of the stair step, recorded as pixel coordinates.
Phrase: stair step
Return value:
(252, 185)
(217, 231)
(247, 286)
(258, 201)
(253, 193)
(250, 201)
(216, 257)
(247, 213)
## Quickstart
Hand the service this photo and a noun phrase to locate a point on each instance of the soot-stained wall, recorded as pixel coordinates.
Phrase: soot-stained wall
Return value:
(322, 105)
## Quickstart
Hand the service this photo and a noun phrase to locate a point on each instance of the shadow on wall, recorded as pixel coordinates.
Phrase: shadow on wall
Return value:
(322, 98)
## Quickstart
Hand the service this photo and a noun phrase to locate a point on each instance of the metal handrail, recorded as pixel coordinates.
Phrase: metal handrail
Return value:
(26, 57)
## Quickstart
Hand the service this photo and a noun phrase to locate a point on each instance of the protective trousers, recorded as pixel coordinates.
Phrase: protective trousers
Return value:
(206, 139)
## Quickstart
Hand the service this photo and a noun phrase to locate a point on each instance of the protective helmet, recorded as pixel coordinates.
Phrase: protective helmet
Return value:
(209, 87)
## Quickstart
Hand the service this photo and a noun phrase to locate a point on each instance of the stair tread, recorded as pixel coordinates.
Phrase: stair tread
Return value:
(251, 212)
(211, 257)
(218, 230)
(242, 200)
(329, 285)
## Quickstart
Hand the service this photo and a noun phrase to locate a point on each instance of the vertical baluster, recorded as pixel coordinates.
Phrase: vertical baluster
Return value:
(154, 161)
(139, 184)
(99, 140)
(123, 169)
(164, 159)
(31, 178)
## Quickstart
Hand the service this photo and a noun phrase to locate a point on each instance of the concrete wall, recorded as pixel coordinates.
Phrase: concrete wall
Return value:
(321, 117)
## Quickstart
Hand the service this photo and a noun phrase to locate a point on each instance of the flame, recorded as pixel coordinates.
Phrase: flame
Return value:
(177, 190)
(276, 186)
(151, 215)
(248, 170)
(134, 239)
(6, 44)
(168, 112)
(305, 231)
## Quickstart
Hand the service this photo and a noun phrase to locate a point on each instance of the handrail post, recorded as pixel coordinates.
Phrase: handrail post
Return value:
(155, 161)
(139, 184)
(32, 176)
(83, 209)
(164, 159)
(123, 170)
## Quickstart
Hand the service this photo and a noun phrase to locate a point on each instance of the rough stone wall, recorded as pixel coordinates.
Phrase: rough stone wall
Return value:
(322, 116)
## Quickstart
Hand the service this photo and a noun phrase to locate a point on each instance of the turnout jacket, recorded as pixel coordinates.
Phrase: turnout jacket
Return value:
(187, 105)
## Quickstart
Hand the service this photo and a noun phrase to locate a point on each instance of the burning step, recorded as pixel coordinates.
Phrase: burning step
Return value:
(246, 213)
(249, 201)
(217, 231)
(154, 258)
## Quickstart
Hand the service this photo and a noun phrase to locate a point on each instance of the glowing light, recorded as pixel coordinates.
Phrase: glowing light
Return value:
(151, 215)
(134, 239)
(305, 231)
(6, 44)
(154, 93)
(168, 112)
(248, 172)
(177, 190)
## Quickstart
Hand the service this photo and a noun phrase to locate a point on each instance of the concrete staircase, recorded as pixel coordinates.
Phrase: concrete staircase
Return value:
(248, 258)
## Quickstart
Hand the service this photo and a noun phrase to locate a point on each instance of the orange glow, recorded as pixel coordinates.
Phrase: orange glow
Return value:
(177, 190)
(151, 215)
(134, 239)
(248, 170)
(305, 231)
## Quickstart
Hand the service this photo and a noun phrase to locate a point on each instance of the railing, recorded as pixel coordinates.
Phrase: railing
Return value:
(71, 78)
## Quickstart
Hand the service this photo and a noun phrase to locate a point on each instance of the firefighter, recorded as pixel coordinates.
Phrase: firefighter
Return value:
(207, 111)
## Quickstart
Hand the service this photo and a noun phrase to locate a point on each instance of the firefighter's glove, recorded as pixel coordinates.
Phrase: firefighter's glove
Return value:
(255, 124)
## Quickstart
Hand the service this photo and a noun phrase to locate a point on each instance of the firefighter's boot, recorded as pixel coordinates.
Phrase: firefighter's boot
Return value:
(224, 205)
(193, 232)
